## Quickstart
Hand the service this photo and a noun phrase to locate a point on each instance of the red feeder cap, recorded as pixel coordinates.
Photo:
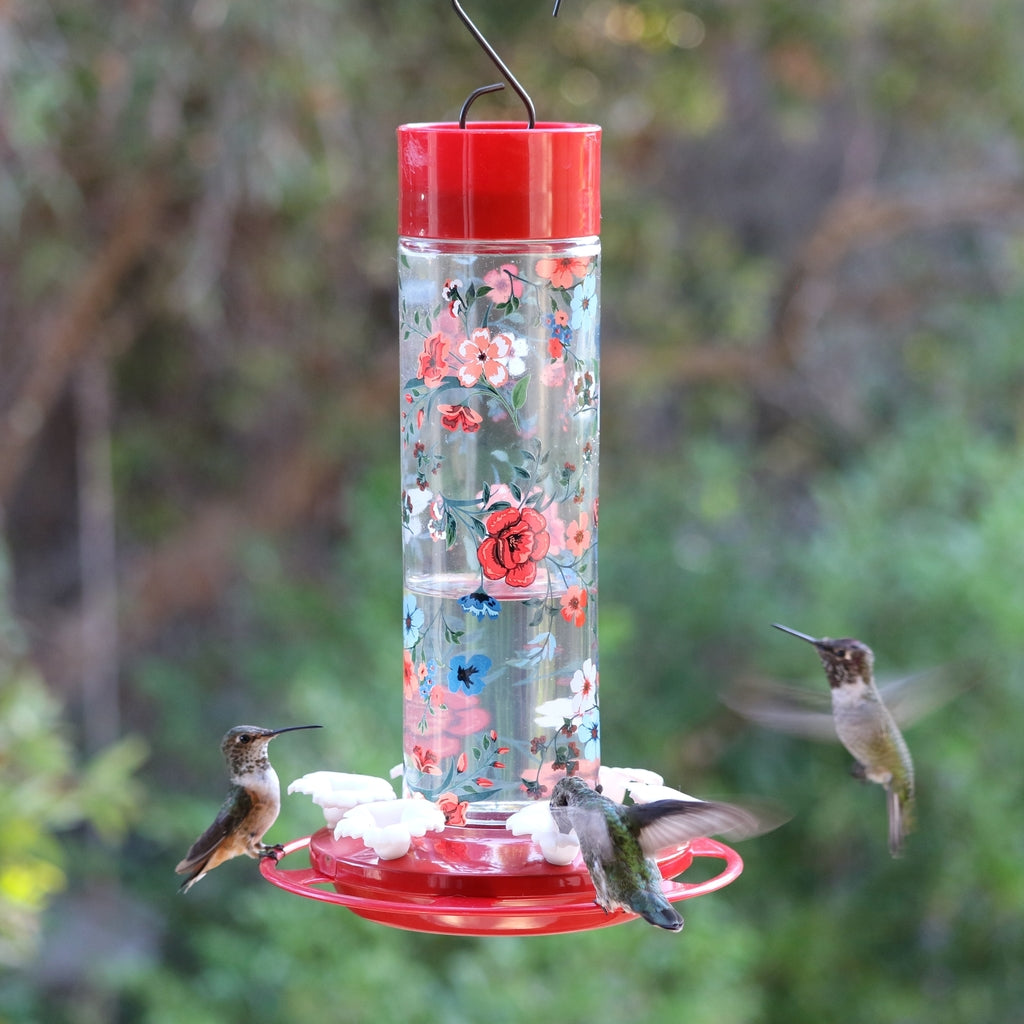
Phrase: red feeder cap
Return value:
(499, 180)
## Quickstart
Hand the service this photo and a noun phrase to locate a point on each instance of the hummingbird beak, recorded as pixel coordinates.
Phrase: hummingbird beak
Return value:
(795, 632)
(294, 728)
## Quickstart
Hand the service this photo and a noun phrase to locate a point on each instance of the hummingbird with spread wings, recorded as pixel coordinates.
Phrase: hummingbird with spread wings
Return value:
(864, 722)
(251, 806)
(619, 841)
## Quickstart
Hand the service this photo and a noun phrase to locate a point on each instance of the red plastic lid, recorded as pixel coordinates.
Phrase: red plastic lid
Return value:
(499, 180)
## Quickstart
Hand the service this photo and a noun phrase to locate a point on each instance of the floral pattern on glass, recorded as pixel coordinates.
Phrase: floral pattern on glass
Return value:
(500, 437)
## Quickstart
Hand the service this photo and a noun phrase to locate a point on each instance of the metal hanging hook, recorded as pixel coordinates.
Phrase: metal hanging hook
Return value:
(531, 112)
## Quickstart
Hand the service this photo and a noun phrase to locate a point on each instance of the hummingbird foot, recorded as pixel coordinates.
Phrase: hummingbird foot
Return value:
(275, 852)
(858, 771)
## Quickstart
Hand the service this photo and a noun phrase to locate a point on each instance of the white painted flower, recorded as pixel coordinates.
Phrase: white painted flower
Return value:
(518, 352)
(553, 712)
(414, 503)
(584, 688)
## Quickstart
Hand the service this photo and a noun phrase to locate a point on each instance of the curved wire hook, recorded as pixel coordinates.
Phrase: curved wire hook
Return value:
(531, 112)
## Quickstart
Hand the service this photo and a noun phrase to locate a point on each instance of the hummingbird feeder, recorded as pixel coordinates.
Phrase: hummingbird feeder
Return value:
(498, 301)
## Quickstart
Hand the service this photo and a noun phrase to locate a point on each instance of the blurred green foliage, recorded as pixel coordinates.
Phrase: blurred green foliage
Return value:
(867, 482)
(48, 794)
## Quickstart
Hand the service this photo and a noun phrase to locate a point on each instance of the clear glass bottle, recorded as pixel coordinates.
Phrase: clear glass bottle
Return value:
(499, 273)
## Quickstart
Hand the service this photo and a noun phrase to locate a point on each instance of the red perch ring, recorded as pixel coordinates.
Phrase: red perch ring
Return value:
(474, 881)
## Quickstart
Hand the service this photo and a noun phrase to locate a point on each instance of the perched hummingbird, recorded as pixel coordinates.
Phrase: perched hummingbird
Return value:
(619, 841)
(866, 728)
(251, 807)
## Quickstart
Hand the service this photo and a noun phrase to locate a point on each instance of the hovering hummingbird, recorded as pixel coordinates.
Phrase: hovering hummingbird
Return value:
(251, 807)
(866, 727)
(619, 841)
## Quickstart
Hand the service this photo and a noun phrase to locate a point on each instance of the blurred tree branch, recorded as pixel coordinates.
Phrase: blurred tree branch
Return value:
(853, 221)
(863, 218)
(64, 338)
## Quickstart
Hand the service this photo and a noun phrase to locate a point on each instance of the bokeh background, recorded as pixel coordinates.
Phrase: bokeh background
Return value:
(813, 408)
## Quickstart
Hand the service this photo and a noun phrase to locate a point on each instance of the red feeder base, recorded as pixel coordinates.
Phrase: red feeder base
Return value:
(473, 881)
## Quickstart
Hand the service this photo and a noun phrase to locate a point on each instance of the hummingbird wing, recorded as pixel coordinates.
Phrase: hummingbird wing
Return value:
(232, 811)
(663, 824)
(910, 698)
(792, 709)
(808, 713)
(590, 823)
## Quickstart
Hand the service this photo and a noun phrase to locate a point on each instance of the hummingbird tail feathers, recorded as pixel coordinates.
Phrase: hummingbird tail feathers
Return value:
(656, 910)
(901, 820)
(190, 881)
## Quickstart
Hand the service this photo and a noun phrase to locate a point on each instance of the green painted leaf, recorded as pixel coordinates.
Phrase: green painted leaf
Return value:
(519, 392)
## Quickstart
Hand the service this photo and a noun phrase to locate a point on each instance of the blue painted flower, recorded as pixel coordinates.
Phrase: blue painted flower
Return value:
(429, 680)
(558, 327)
(590, 734)
(480, 604)
(583, 308)
(412, 621)
(466, 675)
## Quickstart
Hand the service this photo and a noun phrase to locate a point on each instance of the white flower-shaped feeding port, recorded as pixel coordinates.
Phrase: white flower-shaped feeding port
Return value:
(365, 807)
(561, 848)
(338, 792)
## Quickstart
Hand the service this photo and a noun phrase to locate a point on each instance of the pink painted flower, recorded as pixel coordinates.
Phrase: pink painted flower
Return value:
(484, 356)
(517, 539)
(552, 375)
(409, 681)
(577, 535)
(504, 283)
(562, 271)
(460, 417)
(574, 605)
(434, 360)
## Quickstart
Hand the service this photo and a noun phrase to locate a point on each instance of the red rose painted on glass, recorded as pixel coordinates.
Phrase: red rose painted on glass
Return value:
(434, 360)
(517, 539)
